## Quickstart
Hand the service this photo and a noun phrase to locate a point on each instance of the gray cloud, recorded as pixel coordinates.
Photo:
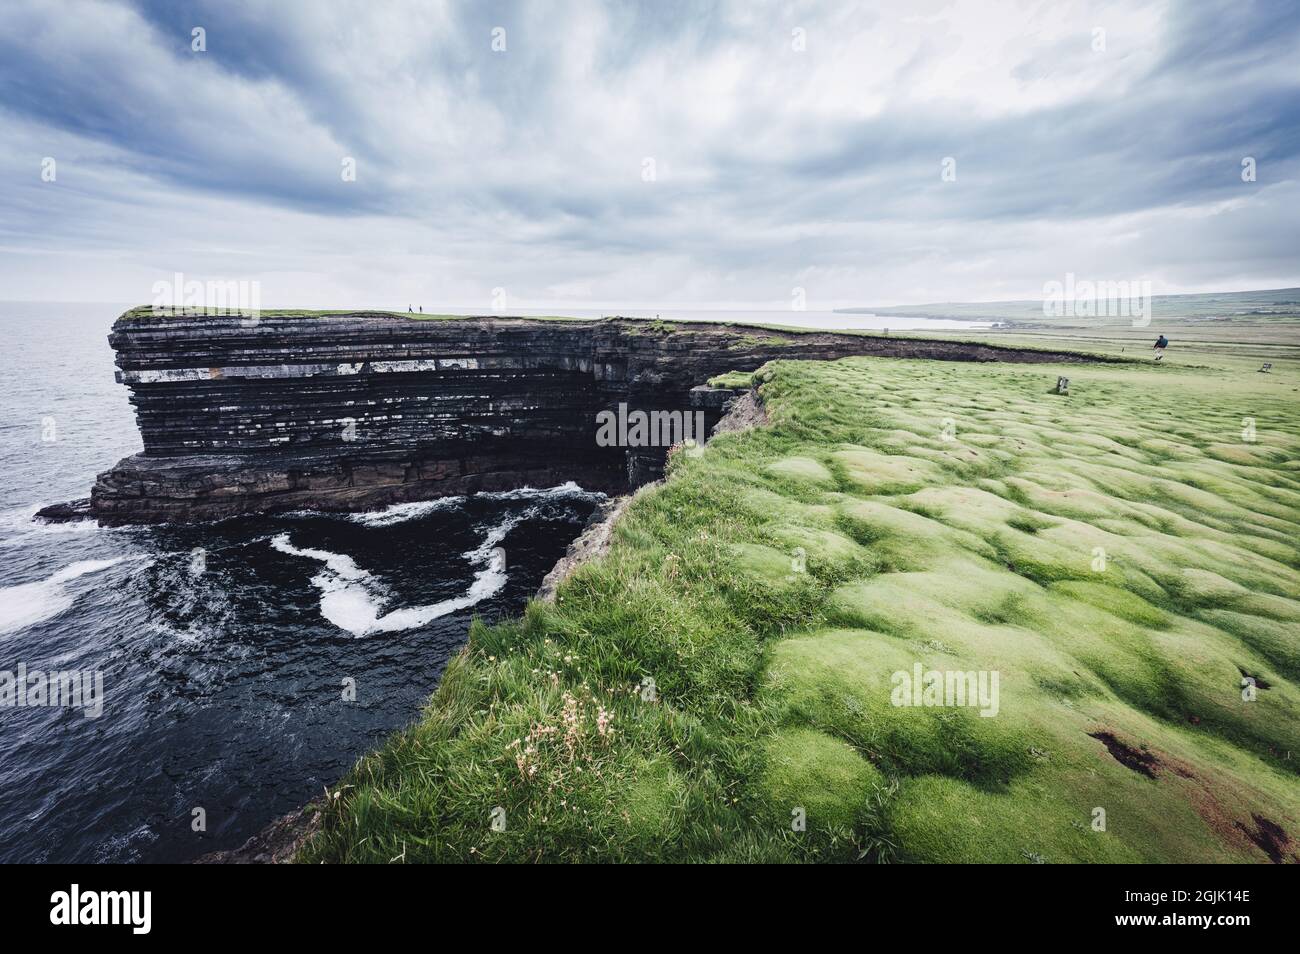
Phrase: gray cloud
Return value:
(524, 169)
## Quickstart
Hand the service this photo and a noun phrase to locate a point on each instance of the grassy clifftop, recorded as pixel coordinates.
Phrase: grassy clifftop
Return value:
(143, 312)
(1123, 558)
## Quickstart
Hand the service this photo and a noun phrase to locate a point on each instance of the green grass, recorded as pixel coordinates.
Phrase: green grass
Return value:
(1279, 305)
(147, 311)
(1119, 556)
(1227, 329)
(734, 380)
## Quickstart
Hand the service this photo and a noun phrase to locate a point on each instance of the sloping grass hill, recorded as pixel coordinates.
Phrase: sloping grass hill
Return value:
(721, 685)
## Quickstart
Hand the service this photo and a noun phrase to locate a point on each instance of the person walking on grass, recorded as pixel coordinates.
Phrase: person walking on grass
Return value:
(1161, 344)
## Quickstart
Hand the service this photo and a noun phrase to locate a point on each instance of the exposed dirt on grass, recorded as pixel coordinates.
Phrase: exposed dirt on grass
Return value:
(746, 412)
(1270, 839)
(1144, 763)
(1259, 681)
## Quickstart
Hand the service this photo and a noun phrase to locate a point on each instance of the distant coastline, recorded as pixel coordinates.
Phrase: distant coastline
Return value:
(1271, 303)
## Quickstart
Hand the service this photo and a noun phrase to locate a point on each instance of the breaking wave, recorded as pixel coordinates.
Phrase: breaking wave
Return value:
(402, 512)
(353, 598)
(19, 526)
(29, 603)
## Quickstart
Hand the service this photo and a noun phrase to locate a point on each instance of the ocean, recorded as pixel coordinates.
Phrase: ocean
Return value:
(245, 664)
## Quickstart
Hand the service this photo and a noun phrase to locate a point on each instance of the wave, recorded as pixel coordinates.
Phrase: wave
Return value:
(19, 524)
(353, 598)
(402, 512)
(29, 603)
(568, 490)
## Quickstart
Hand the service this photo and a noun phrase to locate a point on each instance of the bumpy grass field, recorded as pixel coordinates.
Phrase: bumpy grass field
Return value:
(1126, 559)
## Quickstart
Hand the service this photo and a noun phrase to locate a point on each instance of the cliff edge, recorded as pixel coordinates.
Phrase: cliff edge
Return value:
(349, 411)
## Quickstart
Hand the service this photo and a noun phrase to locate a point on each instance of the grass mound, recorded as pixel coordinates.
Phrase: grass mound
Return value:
(724, 685)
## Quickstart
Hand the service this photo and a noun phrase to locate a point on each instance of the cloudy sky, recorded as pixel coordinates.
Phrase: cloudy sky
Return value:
(704, 154)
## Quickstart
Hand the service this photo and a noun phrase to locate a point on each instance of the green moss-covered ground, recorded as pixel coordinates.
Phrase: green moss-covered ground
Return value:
(148, 311)
(718, 687)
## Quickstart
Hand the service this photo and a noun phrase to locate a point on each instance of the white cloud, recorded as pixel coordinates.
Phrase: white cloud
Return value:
(524, 169)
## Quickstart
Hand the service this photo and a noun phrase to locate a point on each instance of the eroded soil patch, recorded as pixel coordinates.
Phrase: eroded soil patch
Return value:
(1270, 838)
(1139, 761)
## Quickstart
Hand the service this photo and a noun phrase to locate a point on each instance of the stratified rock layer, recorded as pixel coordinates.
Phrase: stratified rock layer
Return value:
(354, 411)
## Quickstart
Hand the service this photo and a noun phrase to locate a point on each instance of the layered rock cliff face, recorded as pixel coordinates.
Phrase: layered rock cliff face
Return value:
(353, 411)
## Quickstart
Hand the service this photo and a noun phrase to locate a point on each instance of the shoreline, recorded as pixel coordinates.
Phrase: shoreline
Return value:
(280, 841)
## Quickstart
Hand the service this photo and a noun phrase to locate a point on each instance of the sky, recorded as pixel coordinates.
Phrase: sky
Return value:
(597, 155)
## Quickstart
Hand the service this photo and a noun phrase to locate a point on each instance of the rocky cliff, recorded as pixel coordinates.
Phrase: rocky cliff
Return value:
(358, 410)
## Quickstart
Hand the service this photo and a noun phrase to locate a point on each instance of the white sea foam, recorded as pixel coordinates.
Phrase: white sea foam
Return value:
(568, 489)
(29, 603)
(400, 513)
(19, 524)
(353, 599)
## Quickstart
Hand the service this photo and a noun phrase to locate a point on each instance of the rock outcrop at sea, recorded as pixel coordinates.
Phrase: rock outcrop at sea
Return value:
(360, 410)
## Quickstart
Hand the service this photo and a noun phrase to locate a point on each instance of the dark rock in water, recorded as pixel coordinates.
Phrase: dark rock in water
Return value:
(277, 843)
(78, 509)
(355, 411)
